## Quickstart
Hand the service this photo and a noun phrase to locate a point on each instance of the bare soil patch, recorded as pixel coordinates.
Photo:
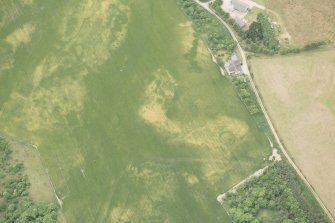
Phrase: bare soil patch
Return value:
(299, 94)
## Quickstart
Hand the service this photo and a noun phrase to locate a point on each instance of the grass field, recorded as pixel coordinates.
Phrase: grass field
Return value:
(305, 21)
(132, 119)
(299, 94)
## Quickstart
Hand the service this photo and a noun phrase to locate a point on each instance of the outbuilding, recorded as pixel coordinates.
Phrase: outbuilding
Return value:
(240, 6)
(234, 65)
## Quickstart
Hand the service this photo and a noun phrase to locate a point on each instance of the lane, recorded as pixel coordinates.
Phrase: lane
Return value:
(247, 73)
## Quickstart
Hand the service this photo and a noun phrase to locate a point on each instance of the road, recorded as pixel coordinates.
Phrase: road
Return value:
(247, 73)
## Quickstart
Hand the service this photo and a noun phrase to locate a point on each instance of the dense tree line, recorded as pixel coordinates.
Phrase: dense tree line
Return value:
(248, 97)
(279, 189)
(307, 47)
(15, 203)
(244, 92)
(216, 36)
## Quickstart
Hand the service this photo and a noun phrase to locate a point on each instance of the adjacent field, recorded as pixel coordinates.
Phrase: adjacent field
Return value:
(299, 93)
(306, 21)
(132, 119)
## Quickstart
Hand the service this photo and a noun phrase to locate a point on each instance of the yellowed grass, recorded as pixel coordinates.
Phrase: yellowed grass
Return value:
(157, 92)
(41, 108)
(213, 134)
(191, 179)
(93, 43)
(187, 42)
(299, 94)
(121, 215)
(45, 69)
(7, 64)
(27, 2)
(187, 33)
(20, 36)
(307, 20)
(144, 206)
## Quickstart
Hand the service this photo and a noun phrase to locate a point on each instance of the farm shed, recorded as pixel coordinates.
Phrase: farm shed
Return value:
(234, 65)
(240, 6)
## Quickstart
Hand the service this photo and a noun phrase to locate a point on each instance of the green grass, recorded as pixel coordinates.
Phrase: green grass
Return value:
(329, 103)
(76, 86)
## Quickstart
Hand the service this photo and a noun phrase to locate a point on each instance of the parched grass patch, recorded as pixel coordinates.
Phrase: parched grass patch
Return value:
(20, 36)
(137, 126)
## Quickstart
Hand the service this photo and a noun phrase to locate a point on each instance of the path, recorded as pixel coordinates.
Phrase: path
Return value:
(221, 197)
(247, 73)
(216, 62)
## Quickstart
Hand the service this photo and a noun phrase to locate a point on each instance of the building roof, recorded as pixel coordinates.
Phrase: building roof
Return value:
(233, 69)
(239, 21)
(235, 60)
(230, 68)
(240, 6)
(234, 65)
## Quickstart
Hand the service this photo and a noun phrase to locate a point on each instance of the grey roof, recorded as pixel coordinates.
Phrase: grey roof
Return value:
(234, 65)
(237, 63)
(240, 6)
(239, 21)
(239, 68)
(234, 58)
(230, 67)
